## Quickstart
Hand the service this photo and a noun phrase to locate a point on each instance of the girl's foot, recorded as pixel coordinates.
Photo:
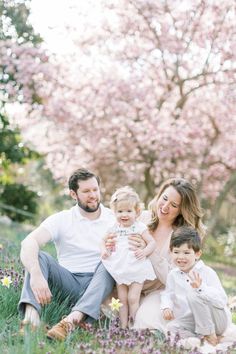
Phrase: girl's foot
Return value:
(211, 339)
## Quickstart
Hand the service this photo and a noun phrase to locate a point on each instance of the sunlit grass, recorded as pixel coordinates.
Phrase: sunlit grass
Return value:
(99, 339)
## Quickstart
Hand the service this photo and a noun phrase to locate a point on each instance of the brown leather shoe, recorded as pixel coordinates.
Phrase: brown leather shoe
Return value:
(61, 330)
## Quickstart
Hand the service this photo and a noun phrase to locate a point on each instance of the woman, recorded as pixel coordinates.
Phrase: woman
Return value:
(175, 205)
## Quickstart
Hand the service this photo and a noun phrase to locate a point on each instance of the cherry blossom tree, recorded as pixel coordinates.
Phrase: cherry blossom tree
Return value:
(22, 64)
(147, 92)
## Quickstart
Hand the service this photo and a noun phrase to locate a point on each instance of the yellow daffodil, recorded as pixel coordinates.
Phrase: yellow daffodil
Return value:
(6, 281)
(115, 304)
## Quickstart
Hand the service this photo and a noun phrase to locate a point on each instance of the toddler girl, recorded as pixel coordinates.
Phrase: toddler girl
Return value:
(129, 268)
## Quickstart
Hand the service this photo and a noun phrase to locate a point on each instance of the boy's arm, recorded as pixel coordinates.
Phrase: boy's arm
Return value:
(167, 295)
(211, 288)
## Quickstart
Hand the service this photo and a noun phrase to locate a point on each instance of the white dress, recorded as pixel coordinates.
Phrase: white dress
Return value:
(122, 264)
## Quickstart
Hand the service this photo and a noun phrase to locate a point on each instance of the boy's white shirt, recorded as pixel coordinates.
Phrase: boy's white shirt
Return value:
(178, 285)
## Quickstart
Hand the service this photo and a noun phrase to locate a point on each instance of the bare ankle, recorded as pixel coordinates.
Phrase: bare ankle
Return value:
(31, 315)
(75, 317)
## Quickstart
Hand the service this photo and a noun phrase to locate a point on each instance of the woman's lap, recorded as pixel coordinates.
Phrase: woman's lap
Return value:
(149, 314)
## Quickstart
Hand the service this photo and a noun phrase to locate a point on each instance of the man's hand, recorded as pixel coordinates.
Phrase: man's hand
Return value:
(140, 254)
(168, 314)
(105, 254)
(196, 280)
(136, 242)
(40, 289)
(110, 242)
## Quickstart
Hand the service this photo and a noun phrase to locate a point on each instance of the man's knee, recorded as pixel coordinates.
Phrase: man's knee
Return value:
(104, 278)
(46, 257)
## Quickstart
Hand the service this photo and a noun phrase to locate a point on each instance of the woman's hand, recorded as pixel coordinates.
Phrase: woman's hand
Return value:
(110, 241)
(136, 242)
(140, 254)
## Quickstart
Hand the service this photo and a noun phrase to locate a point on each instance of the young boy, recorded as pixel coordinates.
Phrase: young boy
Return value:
(194, 297)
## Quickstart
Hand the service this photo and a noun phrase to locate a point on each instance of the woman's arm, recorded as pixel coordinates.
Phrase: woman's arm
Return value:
(161, 265)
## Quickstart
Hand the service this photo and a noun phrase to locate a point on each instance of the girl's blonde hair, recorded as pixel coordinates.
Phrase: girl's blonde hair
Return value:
(126, 194)
(190, 209)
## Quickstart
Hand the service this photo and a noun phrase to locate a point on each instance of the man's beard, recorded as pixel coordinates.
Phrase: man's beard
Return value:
(86, 207)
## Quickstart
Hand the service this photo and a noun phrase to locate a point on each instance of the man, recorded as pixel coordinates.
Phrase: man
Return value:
(78, 274)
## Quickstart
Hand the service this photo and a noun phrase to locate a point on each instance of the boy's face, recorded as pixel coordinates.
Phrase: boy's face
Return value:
(184, 258)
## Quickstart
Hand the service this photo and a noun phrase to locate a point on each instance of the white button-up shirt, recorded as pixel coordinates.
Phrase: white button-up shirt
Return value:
(77, 239)
(178, 285)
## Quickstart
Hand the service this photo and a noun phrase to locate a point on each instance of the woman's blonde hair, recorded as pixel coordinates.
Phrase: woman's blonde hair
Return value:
(190, 209)
(126, 194)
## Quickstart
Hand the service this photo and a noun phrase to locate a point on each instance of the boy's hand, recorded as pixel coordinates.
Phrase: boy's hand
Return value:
(196, 280)
(140, 254)
(168, 314)
(105, 254)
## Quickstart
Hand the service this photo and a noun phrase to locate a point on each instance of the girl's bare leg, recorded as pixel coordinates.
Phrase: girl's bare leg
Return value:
(122, 291)
(133, 300)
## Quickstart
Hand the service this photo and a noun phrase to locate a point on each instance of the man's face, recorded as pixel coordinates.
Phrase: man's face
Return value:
(88, 195)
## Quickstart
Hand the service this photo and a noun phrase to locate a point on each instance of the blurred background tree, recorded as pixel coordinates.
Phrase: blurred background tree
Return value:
(20, 57)
(142, 91)
(146, 92)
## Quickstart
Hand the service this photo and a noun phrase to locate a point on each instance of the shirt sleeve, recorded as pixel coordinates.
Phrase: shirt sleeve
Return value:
(167, 295)
(211, 289)
(52, 224)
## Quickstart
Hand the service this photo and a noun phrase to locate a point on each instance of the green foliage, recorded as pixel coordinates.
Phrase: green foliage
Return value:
(14, 22)
(14, 25)
(222, 247)
(12, 150)
(13, 194)
(19, 197)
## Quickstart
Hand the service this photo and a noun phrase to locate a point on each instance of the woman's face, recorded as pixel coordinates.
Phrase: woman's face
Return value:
(168, 205)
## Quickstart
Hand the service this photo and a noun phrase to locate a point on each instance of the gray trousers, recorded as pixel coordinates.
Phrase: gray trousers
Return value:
(205, 319)
(85, 291)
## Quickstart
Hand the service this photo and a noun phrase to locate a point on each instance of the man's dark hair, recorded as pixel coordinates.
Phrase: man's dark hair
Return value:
(80, 175)
(188, 235)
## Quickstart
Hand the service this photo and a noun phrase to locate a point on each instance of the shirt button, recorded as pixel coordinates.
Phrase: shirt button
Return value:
(187, 279)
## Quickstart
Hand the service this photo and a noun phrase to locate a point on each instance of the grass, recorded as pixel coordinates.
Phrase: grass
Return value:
(99, 339)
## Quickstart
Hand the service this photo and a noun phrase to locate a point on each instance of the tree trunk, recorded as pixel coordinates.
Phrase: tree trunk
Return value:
(230, 184)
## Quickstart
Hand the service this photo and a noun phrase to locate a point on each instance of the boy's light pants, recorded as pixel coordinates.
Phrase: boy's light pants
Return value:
(86, 291)
(205, 319)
